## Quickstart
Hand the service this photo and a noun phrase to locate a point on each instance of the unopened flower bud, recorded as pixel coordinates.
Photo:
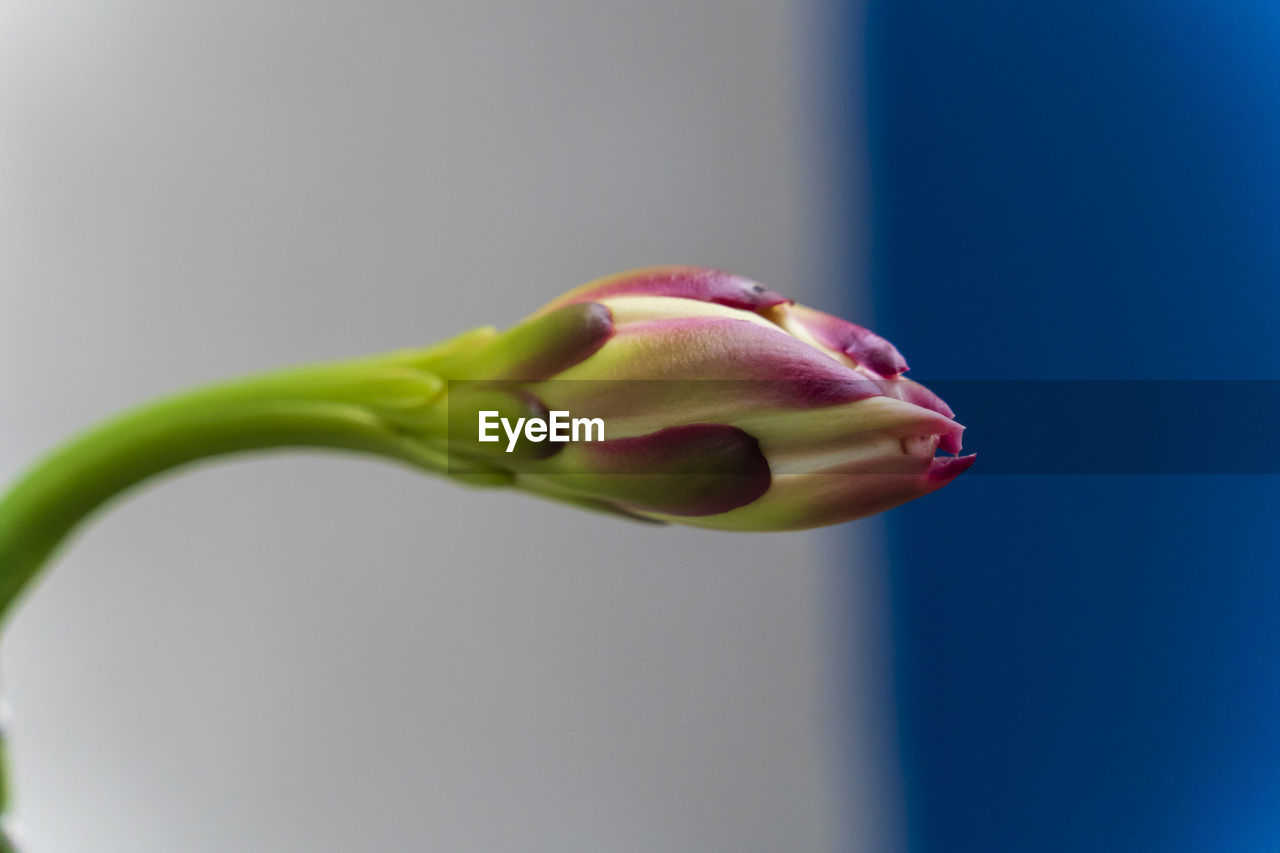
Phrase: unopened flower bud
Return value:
(726, 405)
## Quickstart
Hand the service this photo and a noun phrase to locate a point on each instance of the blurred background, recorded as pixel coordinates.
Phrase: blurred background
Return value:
(1086, 661)
(324, 654)
(317, 653)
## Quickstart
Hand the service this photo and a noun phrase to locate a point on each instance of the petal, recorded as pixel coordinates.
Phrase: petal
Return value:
(700, 283)
(692, 470)
(917, 394)
(796, 441)
(631, 309)
(788, 372)
(667, 373)
(944, 469)
(914, 392)
(862, 345)
(802, 501)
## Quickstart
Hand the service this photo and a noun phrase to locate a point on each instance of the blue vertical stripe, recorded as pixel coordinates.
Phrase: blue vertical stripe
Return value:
(1068, 190)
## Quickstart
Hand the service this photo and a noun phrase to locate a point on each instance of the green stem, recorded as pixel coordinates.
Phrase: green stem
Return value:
(46, 504)
(384, 406)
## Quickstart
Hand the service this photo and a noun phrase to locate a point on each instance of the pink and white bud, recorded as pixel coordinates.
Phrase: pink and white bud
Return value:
(727, 405)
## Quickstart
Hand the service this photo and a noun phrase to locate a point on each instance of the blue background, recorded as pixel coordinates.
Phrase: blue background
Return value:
(1083, 662)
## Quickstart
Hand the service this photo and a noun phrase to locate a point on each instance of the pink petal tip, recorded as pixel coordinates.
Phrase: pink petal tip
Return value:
(944, 469)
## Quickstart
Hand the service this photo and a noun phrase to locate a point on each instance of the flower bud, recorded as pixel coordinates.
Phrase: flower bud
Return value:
(727, 406)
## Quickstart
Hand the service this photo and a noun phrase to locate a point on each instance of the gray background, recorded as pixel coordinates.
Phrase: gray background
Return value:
(323, 654)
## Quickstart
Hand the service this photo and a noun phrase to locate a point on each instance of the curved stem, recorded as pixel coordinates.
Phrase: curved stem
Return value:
(46, 505)
(311, 408)
(374, 405)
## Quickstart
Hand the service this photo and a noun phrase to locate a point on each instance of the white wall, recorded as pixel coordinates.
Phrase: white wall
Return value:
(325, 654)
